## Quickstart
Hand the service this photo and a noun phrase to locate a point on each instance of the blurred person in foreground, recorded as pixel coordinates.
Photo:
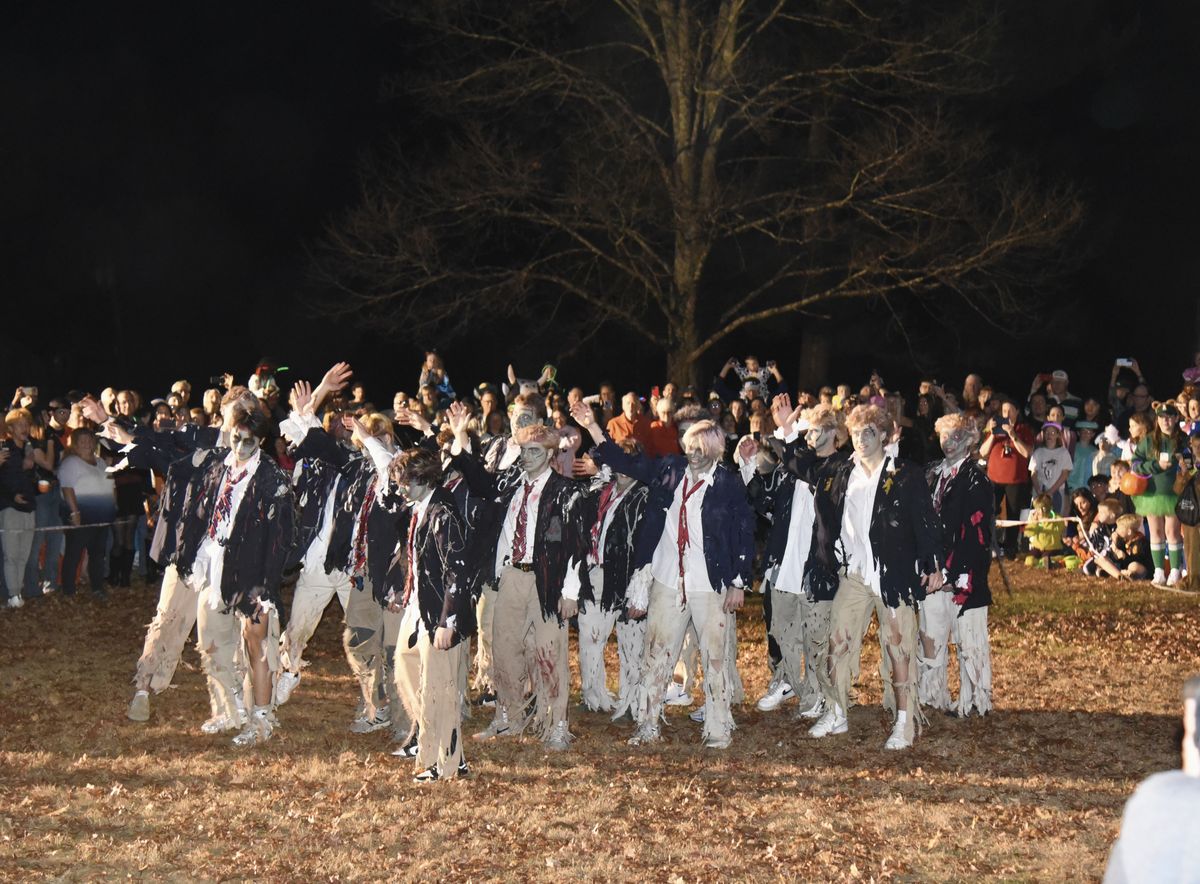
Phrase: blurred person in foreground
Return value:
(1160, 829)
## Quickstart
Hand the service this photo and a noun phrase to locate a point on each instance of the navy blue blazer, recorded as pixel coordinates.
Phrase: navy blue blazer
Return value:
(727, 521)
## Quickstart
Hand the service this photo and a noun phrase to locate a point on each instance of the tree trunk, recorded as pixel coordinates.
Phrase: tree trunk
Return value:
(815, 347)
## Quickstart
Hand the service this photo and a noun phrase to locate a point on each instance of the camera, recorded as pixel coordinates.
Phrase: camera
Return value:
(217, 380)
(1125, 362)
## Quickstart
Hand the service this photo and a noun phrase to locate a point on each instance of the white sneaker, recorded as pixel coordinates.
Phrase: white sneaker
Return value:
(257, 730)
(898, 740)
(284, 686)
(815, 711)
(776, 696)
(559, 739)
(1174, 577)
(832, 722)
(1159, 578)
(139, 707)
(676, 695)
(645, 735)
(499, 727)
(697, 716)
(218, 724)
(15, 601)
(719, 742)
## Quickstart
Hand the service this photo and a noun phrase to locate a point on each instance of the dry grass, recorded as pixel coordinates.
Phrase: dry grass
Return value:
(1088, 677)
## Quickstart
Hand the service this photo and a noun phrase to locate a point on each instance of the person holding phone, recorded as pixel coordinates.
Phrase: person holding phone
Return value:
(1007, 444)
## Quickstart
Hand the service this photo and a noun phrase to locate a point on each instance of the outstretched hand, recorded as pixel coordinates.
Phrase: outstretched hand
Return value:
(746, 449)
(302, 397)
(458, 416)
(781, 410)
(93, 410)
(357, 428)
(334, 380)
(409, 418)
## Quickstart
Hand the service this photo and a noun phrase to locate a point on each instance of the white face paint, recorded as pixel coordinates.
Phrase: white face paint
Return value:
(955, 443)
(821, 439)
(243, 443)
(868, 441)
(534, 460)
(698, 461)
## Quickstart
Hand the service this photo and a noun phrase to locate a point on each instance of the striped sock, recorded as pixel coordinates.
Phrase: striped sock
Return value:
(1176, 551)
(1157, 554)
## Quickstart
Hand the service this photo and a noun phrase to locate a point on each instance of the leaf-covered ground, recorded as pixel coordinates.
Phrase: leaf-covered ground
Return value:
(1088, 676)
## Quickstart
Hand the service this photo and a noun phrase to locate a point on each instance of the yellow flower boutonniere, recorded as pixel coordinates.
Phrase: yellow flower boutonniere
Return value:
(887, 485)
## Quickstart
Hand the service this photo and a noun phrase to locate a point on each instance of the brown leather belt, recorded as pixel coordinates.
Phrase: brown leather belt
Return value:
(527, 567)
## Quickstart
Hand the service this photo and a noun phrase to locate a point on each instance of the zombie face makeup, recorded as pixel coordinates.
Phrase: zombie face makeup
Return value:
(821, 440)
(534, 460)
(413, 491)
(698, 461)
(955, 443)
(244, 444)
(868, 441)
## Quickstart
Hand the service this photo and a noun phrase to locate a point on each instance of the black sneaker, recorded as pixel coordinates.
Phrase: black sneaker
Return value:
(408, 750)
(429, 775)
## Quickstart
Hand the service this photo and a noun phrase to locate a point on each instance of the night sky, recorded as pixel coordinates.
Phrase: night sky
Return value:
(167, 170)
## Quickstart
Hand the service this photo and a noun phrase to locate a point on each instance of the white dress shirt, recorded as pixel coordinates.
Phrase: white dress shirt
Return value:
(613, 503)
(210, 558)
(789, 575)
(505, 547)
(856, 524)
(664, 567)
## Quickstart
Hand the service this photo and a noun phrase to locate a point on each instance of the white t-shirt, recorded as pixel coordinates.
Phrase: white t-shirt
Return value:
(1047, 464)
(93, 488)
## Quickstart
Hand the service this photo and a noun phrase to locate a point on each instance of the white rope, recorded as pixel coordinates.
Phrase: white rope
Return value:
(55, 528)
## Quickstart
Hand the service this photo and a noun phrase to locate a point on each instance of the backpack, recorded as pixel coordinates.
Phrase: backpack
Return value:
(1187, 508)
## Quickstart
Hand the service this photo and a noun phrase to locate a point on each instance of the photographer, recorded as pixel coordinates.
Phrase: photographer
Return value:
(1007, 444)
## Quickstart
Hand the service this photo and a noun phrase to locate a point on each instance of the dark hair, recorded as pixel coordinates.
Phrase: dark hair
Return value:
(631, 446)
(254, 421)
(416, 465)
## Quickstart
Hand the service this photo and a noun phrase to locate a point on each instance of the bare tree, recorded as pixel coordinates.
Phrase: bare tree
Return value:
(687, 168)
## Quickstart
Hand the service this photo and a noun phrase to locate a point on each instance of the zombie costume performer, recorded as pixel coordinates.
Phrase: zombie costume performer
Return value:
(236, 535)
(529, 531)
(320, 485)
(692, 561)
(614, 513)
(361, 543)
(799, 623)
(181, 457)
(875, 549)
(962, 500)
(428, 584)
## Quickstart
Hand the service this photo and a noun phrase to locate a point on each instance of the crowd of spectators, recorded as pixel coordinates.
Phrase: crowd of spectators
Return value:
(1101, 481)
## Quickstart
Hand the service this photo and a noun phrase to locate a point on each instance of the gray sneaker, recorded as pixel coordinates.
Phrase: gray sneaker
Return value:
(560, 738)
(645, 735)
(500, 726)
(364, 725)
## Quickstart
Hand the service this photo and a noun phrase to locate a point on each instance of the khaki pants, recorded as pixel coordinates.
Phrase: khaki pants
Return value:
(402, 722)
(816, 617)
(314, 591)
(428, 683)
(167, 634)
(852, 609)
(790, 618)
(667, 621)
(1191, 557)
(363, 641)
(18, 542)
(595, 626)
(941, 625)
(484, 610)
(525, 641)
(224, 655)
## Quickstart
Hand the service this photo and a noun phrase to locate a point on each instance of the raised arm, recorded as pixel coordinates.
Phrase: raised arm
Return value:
(638, 466)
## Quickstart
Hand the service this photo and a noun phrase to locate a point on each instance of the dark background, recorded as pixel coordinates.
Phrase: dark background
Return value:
(167, 170)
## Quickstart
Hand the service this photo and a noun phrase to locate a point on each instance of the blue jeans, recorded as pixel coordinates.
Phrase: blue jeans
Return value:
(48, 515)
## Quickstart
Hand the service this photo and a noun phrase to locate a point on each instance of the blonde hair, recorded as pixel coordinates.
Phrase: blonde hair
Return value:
(948, 423)
(707, 437)
(16, 415)
(1129, 520)
(1043, 504)
(862, 415)
(378, 425)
